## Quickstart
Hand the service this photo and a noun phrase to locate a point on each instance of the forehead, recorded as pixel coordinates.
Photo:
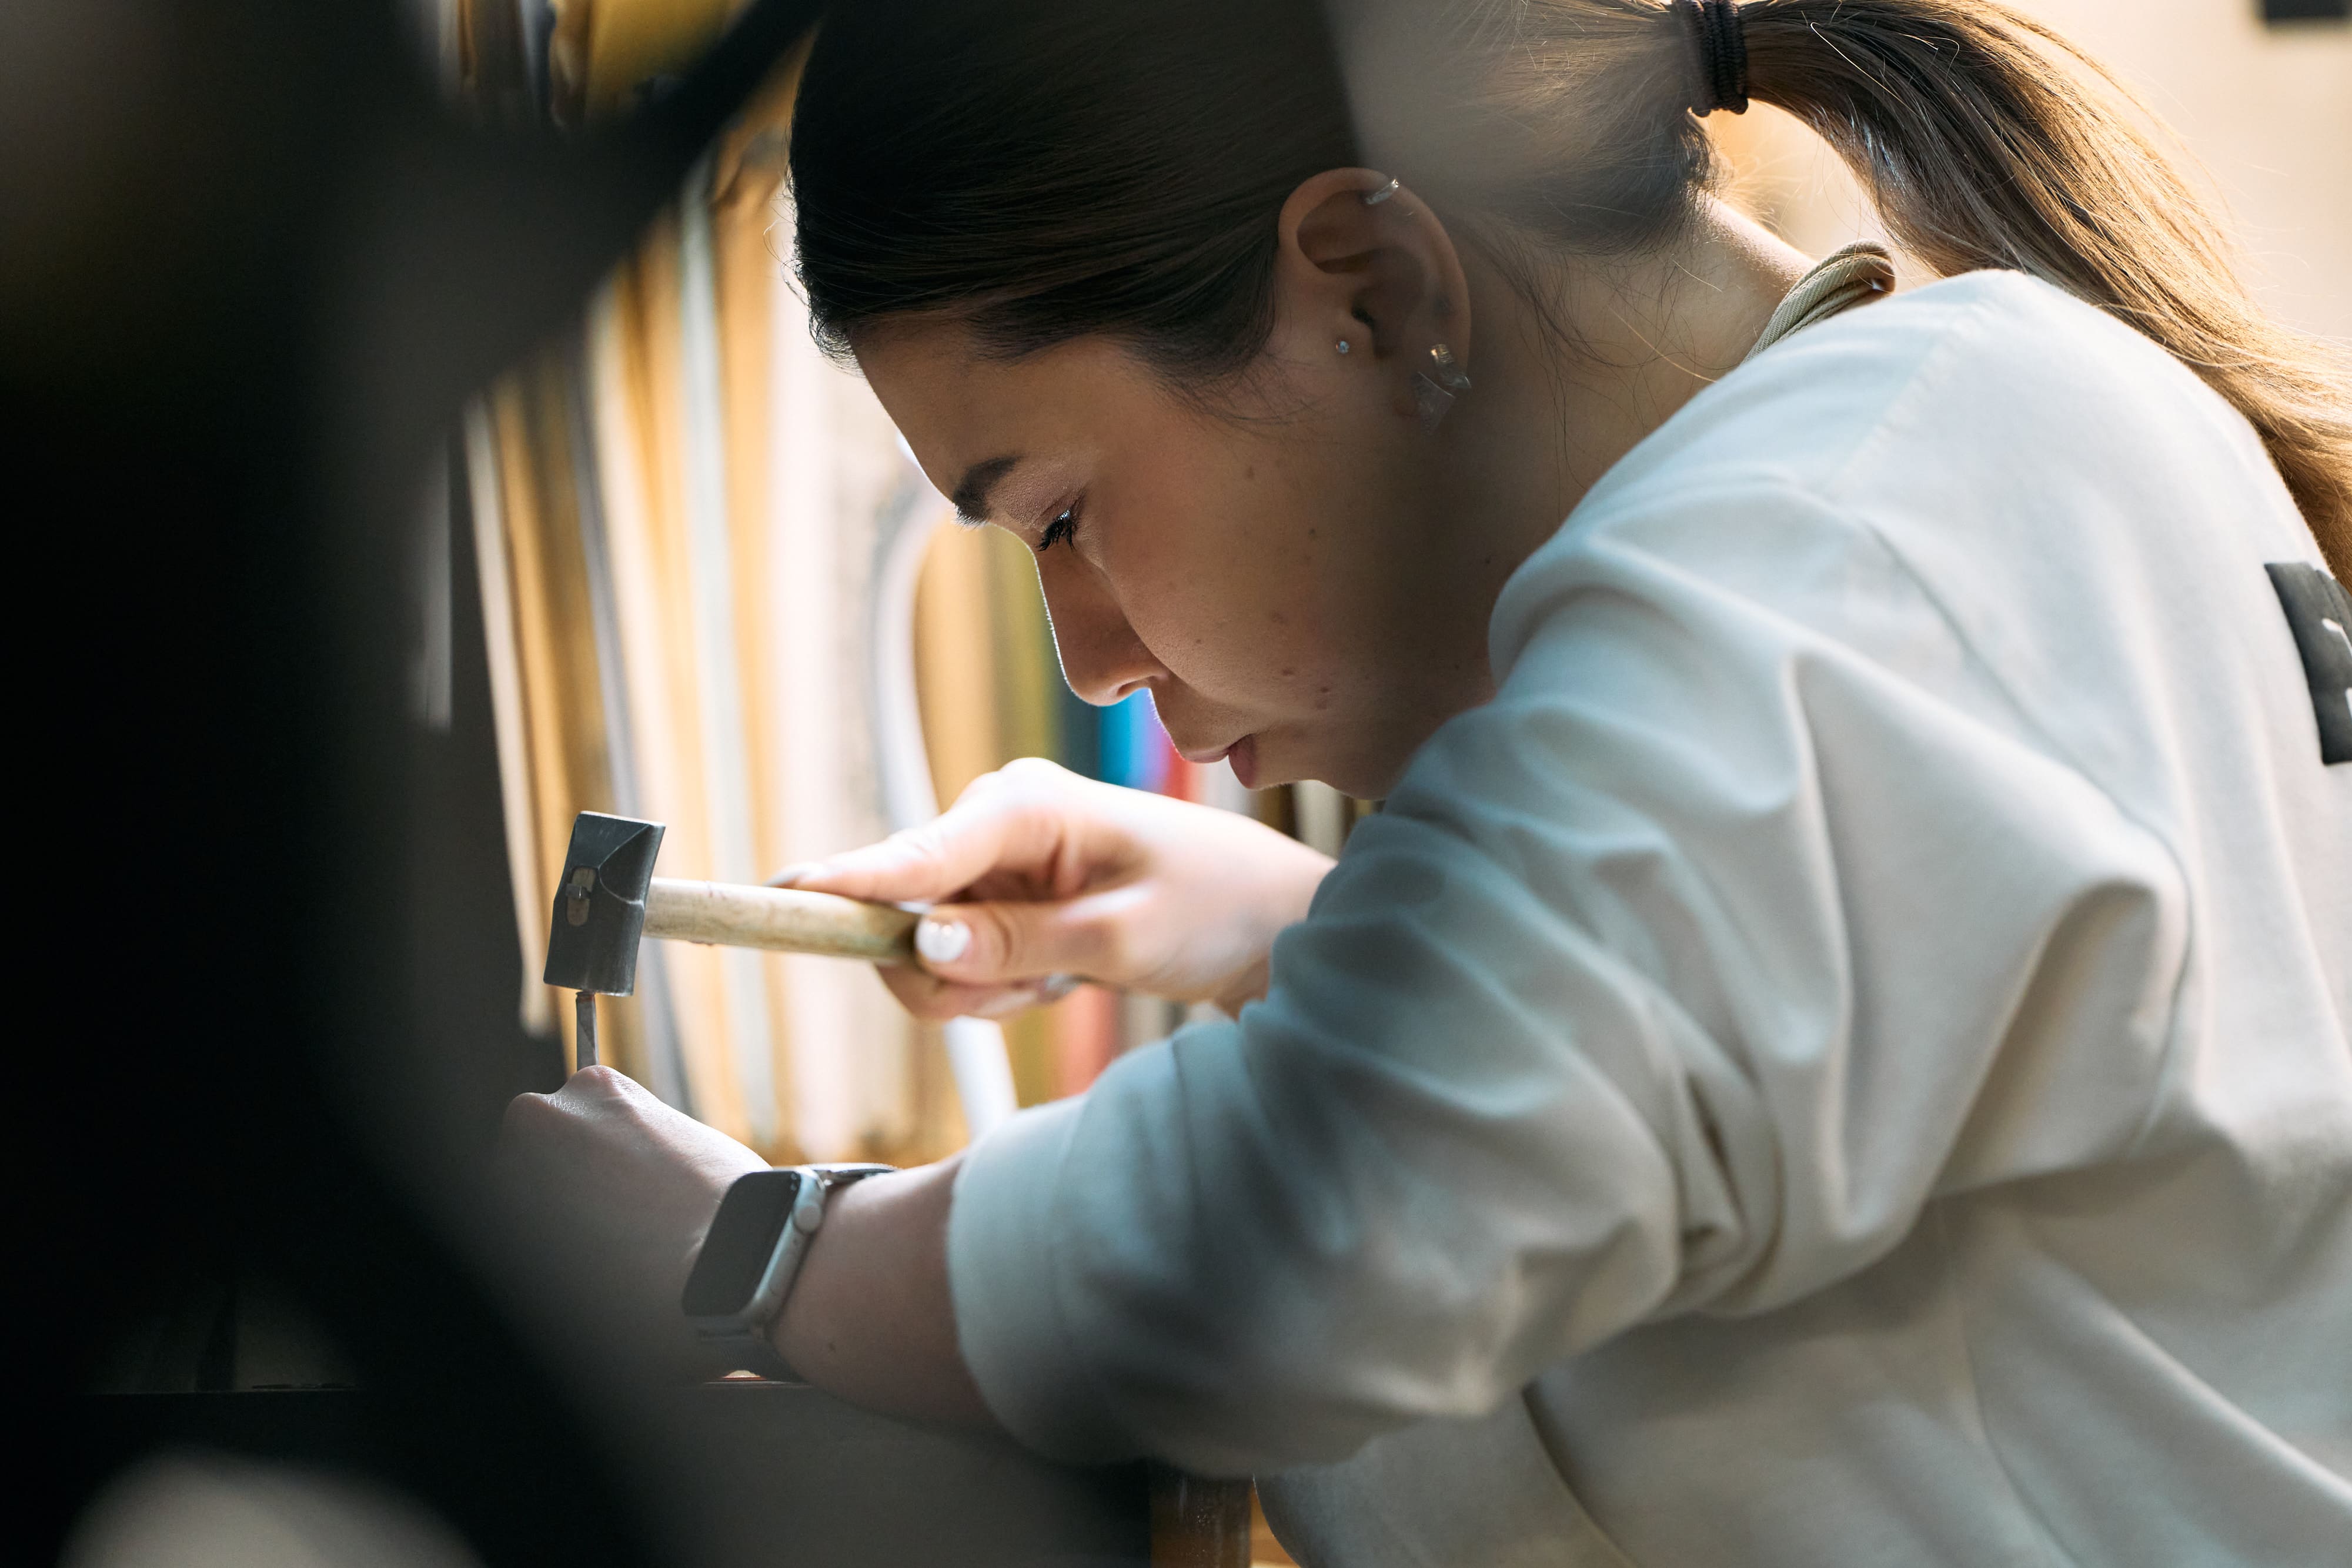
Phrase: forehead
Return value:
(958, 407)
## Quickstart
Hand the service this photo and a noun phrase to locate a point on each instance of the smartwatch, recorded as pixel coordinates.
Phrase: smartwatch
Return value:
(751, 1255)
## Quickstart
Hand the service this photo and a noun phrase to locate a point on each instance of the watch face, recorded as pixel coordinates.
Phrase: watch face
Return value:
(742, 1240)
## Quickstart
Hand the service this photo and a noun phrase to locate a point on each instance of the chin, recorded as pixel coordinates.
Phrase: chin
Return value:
(1360, 773)
(1366, 787)
(1368, 762)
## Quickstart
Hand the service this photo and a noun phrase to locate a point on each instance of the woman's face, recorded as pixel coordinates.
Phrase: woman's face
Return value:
(1272, 567)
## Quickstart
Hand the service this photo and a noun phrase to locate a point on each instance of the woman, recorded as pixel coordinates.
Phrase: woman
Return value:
(1835, 1049)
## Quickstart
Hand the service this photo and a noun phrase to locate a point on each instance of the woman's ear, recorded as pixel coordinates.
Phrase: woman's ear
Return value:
(1363, 261)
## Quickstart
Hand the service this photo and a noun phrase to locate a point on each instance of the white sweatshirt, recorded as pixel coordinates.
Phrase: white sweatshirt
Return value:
(1842, 1062)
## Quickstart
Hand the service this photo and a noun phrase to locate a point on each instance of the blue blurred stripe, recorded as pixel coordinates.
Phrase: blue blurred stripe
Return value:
(1131, 749)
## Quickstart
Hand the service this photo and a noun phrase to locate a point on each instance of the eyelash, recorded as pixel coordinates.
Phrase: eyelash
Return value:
(1061, 530)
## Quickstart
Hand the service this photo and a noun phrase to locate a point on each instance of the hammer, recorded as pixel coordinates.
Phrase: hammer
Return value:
(609, 898)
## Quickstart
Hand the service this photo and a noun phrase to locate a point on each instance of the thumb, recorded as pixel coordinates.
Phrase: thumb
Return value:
(1007, 944)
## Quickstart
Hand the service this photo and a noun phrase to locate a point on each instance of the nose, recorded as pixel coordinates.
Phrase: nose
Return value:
(1102, 658)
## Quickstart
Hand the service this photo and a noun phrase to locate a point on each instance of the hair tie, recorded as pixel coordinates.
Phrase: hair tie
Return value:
(1722, 55)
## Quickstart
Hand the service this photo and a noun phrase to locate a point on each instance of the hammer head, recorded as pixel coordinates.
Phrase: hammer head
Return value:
(600, 904)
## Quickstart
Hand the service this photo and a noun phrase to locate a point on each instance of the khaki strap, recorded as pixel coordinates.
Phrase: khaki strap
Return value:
(1843, 279)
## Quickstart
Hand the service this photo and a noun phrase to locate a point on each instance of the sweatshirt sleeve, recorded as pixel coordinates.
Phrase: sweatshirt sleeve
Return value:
(1741, 925)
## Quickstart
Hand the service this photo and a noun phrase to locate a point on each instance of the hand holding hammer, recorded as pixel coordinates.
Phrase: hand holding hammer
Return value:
(609, 899)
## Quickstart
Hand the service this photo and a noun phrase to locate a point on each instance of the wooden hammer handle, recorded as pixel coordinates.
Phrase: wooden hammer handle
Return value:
(730, 914)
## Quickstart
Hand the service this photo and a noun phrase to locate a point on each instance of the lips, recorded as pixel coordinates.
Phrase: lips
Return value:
(1242, 753)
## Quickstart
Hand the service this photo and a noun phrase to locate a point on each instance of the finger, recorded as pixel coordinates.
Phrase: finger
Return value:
(600, 1080)
(937, 859)
(1020, 944)
(1019, 822)
(527, 1117)
(929, 998)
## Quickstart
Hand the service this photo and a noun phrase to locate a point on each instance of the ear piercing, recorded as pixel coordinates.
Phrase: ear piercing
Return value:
(1374, 198)
(1434, 390)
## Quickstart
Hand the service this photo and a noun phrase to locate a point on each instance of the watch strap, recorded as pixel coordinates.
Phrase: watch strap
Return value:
(749, 1348)
(840, 1173)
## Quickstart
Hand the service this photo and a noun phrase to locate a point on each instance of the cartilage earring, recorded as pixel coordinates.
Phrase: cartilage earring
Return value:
(1374, 198)
(1434, 390)
(1342, 346)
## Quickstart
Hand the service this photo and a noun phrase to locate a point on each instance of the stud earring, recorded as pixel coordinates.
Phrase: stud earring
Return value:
(1342, 346)
(1434, 390)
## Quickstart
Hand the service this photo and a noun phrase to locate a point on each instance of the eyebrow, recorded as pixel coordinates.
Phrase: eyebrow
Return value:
(971, 492)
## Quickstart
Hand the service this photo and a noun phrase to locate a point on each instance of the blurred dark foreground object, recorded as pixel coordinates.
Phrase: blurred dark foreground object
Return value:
(785, 1475)
(249, 268)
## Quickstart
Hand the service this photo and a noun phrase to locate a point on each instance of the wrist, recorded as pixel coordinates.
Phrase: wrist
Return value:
(829, 1278)
(1286, 905)
(872, 1320)
(749, 1263)
(1244, 987)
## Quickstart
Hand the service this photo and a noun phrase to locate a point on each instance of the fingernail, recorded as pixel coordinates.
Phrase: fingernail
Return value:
(942, 941)
(1005, 1006)
(793, 873)
(1055, 987)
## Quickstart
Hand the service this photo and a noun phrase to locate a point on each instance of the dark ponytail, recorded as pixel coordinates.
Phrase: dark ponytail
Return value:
(1044, 170)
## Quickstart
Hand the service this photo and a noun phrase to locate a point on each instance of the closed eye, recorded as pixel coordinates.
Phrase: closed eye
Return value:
(1059, 531)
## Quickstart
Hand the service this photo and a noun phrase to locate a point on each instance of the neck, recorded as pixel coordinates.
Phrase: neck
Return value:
(1553, 409)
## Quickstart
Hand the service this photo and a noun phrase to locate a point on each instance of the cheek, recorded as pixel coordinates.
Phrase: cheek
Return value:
(1244, 573)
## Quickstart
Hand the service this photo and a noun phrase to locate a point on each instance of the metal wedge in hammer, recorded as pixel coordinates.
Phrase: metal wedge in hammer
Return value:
(609, 899)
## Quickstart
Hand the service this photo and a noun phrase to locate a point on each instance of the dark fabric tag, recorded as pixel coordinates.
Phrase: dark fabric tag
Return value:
(2319, 613)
